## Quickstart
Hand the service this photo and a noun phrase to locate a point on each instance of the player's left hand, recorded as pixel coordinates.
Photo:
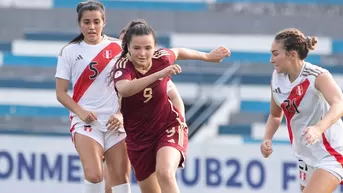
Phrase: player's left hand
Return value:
(312, 135)
(218, 54)
(115, 122)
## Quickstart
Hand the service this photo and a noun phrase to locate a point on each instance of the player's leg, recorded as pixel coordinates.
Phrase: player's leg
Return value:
(167, 162)
(322, 181)
(90, 152)
(150, 185)
(106, 179)
(171, 155)
(117, 162)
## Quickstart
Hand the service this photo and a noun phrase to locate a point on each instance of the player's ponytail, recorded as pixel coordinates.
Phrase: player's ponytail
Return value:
(311, 42)
(77, 39)
(87, 6)
(125, 46)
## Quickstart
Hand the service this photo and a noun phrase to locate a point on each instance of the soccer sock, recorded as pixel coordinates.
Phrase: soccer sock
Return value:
(122, 188)
(89, 187)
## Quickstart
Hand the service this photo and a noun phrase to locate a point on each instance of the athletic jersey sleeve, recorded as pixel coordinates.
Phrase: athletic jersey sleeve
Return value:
(165, 56)
(170, 56)
(122, 70)
(63, 69)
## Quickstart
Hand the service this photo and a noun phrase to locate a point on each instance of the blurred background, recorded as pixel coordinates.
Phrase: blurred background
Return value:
(227, 104)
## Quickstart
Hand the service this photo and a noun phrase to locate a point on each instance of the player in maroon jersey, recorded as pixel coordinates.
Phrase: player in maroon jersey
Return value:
(174, 97)
(157, 135)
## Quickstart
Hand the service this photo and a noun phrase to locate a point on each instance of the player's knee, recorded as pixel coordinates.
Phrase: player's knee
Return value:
(119, 174)
(165, 175)
(93, 176)
(120, 178)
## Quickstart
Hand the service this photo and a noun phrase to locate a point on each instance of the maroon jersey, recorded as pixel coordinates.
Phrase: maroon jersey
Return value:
(148, 113)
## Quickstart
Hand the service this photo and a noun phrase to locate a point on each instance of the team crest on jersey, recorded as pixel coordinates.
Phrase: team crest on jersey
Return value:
(118, 74)
(107, 54)
(300, 90)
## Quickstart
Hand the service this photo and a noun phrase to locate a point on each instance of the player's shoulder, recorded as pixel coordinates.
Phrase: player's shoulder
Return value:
(113, 40)
(160, 53)
(70, 47)
(123, 63)
(312, 70)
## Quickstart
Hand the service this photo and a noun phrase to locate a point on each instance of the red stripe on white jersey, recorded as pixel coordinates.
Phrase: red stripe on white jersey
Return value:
(101, 60)
(332, 151)
(291, 104)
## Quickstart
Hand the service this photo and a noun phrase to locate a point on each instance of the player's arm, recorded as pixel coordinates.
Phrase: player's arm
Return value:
(274, 119)
(119, 109)
(127, 87)
(176, 98)
(333, 95)
(215, 55)
(63, 75)
(63, 97)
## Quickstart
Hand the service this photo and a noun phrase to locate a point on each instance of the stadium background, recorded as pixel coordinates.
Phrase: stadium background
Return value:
(227, 104)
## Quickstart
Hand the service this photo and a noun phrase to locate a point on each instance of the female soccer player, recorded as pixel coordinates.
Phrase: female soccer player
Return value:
(312, 103)
(156, 133)
(174, 97)
(96, 124)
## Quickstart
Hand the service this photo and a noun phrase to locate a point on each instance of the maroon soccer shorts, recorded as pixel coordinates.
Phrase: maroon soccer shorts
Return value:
(144, 161)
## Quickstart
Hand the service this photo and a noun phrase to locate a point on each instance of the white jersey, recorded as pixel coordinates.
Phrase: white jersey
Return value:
(88, 67)
(303, 105)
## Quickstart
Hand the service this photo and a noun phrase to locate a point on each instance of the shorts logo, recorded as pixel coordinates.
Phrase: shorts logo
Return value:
(302, 175)
(88, 128)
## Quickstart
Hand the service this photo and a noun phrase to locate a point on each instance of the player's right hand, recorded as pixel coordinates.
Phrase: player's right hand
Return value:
(218, 54)
(169, 71)
(266, 148)
(115, 122)
(87, 116)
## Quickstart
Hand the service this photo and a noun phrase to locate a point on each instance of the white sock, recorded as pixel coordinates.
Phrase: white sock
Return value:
(122, 188)
(89, 187)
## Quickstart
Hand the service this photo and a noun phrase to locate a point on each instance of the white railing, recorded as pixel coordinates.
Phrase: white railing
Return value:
(217, 95)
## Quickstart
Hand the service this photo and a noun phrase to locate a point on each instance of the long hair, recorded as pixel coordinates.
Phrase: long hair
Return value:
(87, 6)
(135, 28)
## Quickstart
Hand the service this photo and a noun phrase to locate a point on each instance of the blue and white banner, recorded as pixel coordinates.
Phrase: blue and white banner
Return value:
(42, 164)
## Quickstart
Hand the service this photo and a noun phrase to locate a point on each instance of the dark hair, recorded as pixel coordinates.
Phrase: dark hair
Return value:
(294, 39)
(122, 31)
(134, 28)
(90, 5)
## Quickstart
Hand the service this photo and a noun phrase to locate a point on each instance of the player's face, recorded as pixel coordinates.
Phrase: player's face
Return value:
(141, 49)
(91, 25)
(279, 57)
